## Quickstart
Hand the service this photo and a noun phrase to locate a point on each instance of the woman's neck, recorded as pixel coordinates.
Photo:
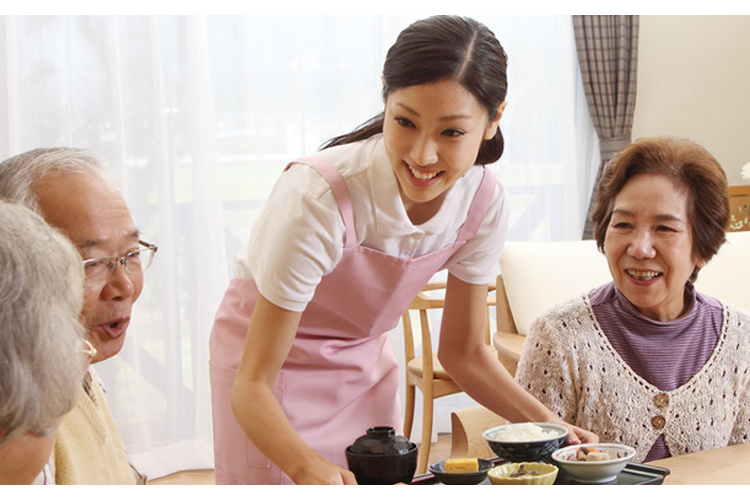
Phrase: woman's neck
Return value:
(421, 212)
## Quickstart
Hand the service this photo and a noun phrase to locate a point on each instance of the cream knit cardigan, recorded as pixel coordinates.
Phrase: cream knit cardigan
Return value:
(568, 363)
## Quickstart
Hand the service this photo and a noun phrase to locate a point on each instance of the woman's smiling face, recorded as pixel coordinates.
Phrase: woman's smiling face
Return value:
(649, 245)
(432, 136)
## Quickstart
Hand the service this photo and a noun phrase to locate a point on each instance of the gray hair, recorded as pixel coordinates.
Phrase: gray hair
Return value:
(41, 297)
(19, 173)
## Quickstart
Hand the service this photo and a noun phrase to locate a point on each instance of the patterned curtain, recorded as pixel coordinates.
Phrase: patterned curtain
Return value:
(608, 56)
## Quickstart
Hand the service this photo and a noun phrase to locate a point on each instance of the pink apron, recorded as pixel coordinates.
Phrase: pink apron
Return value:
(341, 376)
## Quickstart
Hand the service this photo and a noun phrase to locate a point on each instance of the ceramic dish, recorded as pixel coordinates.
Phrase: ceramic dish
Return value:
(532, 450)
(543, 473)
(438, 470)
(594, 472)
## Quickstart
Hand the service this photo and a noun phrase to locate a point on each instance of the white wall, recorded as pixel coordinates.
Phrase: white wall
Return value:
(694, 82)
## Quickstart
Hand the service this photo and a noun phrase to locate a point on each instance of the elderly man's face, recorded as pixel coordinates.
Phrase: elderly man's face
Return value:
(94, 215)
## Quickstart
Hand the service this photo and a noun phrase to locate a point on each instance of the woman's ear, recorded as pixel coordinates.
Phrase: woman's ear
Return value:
(700, 262)
(494, 124)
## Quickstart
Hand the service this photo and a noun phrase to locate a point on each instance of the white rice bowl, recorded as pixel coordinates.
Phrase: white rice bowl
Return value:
(525, 442)
(520, 433)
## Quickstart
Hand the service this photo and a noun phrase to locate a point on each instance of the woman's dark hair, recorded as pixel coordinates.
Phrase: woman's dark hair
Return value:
(691, 168)
(444, 48)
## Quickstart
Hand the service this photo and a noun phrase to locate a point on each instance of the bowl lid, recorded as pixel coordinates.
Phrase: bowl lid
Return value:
(381, 440)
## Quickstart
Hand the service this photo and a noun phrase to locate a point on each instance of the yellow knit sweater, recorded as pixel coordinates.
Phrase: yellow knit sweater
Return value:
(89, 449)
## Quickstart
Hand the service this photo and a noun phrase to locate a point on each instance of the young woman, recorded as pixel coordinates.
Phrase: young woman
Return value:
(300, 359)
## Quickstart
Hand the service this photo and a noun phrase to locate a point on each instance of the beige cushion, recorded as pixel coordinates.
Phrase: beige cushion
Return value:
(539, 275)
(727, 275)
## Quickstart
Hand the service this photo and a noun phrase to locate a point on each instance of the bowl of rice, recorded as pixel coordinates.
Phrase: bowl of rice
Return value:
(525, 442)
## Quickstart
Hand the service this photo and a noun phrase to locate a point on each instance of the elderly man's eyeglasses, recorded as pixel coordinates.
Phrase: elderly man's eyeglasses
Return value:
(134, 262)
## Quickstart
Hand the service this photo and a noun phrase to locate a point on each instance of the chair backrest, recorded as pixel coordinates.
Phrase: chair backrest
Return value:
(739, 206)
(538, 275)
(424, 301)
(727, 275)
(421, 303)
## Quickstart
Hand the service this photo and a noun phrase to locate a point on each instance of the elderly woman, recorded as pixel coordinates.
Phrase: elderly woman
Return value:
(42, 354)
(646, 360)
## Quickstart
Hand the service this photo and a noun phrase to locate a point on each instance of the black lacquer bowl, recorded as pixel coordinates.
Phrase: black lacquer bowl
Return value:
(382, 457)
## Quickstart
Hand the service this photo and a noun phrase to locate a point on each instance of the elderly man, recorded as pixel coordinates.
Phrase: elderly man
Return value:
(41, 345)
(71, 191)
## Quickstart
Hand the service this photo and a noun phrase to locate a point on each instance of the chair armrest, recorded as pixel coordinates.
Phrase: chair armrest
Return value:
(509, 346)
(467, 426)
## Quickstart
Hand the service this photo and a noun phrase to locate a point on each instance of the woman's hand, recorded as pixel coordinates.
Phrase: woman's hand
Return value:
(322, 472)
(576, 435)
(463, 354)
(258, 412)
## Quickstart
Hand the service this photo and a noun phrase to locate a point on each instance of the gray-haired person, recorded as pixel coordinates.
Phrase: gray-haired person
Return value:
(68, 187)
(42, 350)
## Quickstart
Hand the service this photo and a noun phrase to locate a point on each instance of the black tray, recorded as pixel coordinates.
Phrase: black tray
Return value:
(631, 474)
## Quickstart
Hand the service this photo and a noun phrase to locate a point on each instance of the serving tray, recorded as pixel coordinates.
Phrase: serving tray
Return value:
(632, 474)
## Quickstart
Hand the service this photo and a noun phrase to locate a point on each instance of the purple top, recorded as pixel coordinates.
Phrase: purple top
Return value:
(666, 355)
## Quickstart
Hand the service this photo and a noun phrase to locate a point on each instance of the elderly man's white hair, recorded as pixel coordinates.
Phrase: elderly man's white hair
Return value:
(19, 173)
(41, 296)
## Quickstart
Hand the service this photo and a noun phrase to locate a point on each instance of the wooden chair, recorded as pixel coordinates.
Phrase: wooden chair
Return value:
(739, 197)
(425, 371)
(508, 343)
(467, 426)
(536, 276)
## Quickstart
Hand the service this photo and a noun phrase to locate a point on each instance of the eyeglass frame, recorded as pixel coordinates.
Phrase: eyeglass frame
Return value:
(122, 259)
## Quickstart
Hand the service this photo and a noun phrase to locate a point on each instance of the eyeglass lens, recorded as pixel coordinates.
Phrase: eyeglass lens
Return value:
(134, 262)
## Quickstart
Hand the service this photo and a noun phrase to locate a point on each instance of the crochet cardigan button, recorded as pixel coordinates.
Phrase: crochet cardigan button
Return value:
(661, 400)
(658, 422)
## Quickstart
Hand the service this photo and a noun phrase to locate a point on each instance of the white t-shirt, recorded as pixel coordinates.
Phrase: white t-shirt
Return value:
(299, 236)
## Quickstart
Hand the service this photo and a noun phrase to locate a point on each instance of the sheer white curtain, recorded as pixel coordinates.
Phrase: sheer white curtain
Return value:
(195, 117)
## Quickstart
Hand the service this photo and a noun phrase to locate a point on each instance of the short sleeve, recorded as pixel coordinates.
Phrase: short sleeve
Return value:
(297, 240)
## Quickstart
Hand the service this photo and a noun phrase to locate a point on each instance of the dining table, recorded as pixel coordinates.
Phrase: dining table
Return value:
(721, 466)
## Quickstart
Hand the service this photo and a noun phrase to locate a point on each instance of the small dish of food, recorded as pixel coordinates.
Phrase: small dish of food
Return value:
(523, 473)
(594, 463)
(525, 442)
(461, 470)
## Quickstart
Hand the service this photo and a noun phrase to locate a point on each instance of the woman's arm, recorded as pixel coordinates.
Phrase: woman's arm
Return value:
(472, 366)
(269, 340)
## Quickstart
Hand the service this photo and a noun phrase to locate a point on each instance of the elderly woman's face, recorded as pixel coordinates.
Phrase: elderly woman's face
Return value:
(649, 246)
